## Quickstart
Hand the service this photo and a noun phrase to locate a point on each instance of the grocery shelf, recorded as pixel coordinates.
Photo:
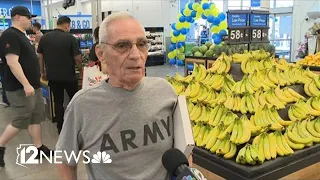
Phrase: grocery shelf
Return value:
(274, 169)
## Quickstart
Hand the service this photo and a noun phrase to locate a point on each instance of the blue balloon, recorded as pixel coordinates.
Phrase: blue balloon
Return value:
(204, 16)
(205, 6)
(182, 19)
(216, 21)
(184, 31)
(173, 26)
(192, 21)
(182, 11)
(210, 19)
(176, 32)
(188, 18)
(190, 6)
(214, 36)
(182, 43)
(193, 13)
(190, 67)
(222, 16)
(217, 40)
(180, 62)
(179, 45)
(172, 47)
(172, 61)
(223, 33)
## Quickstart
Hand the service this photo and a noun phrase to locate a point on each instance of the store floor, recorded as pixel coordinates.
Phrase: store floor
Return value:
(48, 171)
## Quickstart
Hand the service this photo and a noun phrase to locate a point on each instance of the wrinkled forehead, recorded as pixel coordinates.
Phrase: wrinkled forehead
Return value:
(125, 29)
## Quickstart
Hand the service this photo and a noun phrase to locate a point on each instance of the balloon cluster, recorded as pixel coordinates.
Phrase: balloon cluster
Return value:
(194, 11)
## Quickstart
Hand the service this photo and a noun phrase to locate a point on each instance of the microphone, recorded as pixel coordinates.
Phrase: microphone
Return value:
(177, 164)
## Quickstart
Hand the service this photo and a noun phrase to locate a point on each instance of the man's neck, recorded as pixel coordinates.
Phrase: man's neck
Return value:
(19, 28)
(60, 28)
(116, 83)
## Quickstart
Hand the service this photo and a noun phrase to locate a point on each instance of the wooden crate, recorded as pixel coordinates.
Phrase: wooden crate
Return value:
(209, 63)
(193, 60)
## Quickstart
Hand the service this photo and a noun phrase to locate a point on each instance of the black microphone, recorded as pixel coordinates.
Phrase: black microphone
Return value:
(177, 164)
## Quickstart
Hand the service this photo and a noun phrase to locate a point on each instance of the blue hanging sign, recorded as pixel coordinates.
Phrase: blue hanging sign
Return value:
(237, 20)
(259, 20)
(255, 3)
(7, 5)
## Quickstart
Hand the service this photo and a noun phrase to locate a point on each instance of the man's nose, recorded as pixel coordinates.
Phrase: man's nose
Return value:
(134, 52)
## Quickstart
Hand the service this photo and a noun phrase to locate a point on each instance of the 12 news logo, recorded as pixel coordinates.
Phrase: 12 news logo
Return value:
(27, 155)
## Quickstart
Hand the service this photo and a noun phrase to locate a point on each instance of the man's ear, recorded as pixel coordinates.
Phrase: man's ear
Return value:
(99, 53)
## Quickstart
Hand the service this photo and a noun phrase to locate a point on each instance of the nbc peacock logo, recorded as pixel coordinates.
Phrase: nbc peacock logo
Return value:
(101, 157)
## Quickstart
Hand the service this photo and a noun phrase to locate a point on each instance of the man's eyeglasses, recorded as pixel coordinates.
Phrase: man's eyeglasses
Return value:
(125, 46)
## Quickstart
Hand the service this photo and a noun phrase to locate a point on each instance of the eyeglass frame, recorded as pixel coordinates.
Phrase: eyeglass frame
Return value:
(132, 43)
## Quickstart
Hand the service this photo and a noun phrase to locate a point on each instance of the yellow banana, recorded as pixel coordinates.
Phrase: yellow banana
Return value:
(232, 152)
(272, 143)
(266, 147)
(248, 156)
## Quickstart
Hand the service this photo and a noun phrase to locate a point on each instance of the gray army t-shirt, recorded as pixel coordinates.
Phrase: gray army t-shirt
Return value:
(134, 127)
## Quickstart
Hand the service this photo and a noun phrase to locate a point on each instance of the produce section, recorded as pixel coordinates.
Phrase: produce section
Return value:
(249, 108)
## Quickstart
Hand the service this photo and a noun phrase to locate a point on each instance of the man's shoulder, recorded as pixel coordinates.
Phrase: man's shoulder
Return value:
(159, 83)
(86, 93)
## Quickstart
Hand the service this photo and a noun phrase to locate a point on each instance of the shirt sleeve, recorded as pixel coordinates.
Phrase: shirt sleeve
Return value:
(75, 47)
(11, 44)
(70, 139)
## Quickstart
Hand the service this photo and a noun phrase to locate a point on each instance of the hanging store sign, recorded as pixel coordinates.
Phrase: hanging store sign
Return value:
(255, 3)
(259, 20)
(6, 6)
(238, 20)
(80, 21)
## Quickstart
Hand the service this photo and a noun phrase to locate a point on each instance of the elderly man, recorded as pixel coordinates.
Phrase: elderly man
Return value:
(128, 116)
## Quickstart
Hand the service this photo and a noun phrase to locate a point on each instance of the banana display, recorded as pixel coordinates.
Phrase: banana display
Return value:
(239, 120)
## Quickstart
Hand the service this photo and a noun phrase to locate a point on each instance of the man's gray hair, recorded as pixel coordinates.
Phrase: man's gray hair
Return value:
(103, 31)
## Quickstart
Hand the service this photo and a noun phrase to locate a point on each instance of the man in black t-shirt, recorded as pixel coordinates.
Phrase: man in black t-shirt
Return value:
(59, 52)
(22, 80)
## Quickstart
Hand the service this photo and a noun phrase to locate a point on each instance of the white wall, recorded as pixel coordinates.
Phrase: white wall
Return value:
(151, 13)
(299, 25)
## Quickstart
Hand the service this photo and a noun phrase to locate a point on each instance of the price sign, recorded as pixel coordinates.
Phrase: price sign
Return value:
(237, 20)
(259, 20)
(259, 34)
(239, 35)
(80, 21)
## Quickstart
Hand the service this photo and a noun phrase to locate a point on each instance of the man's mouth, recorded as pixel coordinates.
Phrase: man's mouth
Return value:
(134, 68)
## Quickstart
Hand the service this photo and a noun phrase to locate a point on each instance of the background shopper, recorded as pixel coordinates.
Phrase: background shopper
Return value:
(36, 29)
(128, 116)
(22, 81)
(59, 52)
(92, 56)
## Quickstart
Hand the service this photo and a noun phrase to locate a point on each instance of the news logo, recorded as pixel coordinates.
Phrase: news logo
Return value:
(28, 154)
(188, 178)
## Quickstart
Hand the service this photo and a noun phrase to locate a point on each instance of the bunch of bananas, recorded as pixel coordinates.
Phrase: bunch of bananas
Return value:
(180, 78)
(302, 133)
(218, 81)
(248, 104)
(260, 54)
(249, 66)
(301, 110)
(220, 99)
(233, 102)
(271, 144)
(238, 58)
(314, 102)
(205, 93)
(278, 77)
(269, 117)
(219, 114)
(245, 85)
(221, 65)
(312, 88)
(178, 86)
(210, 138)
(249, 154)
(241, 131)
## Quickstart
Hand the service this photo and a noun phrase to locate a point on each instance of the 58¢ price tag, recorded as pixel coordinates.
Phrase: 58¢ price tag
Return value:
(238, 35)
(259, 34)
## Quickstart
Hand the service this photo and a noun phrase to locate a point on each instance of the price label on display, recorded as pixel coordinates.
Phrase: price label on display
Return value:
(258, 35)
(239, 35)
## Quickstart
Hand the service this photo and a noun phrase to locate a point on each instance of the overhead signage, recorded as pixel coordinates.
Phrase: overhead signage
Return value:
(259, 20)
(237, 20)
(80, 21)
(255, 3)
(6, 6)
